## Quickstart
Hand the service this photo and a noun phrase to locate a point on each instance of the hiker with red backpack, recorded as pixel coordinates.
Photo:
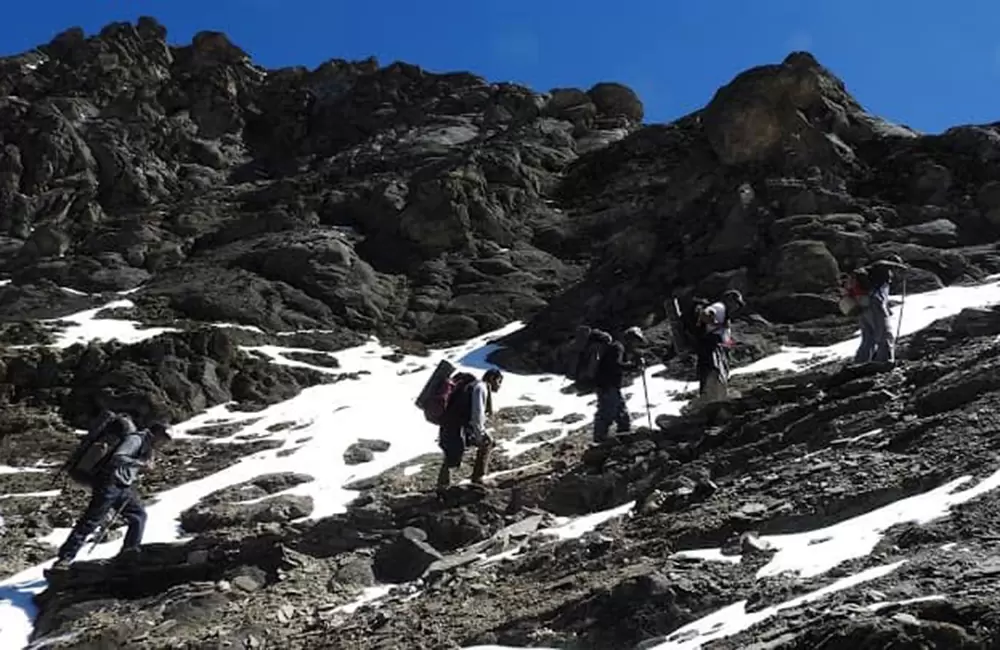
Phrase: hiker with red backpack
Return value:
(459, 404)
(867, 296)
(108, 461)
(714, 340)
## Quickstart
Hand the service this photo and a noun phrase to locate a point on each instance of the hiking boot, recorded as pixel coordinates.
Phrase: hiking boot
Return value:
(62, 563)
(444, 478)
(59, 566)
(128, 556)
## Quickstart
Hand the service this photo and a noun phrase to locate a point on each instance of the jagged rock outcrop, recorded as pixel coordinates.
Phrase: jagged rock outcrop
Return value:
(172, 376)
(781, 182)
(385, 199)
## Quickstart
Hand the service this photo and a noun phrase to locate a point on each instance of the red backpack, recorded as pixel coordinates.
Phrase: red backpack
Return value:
(436, 405)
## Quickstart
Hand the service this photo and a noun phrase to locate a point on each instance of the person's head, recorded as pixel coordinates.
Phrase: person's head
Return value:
(733, 300)
(160, 432)
(493, 379)
(633, 336)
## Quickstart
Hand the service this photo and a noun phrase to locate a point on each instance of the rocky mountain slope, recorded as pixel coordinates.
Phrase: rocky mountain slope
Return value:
(243, 210)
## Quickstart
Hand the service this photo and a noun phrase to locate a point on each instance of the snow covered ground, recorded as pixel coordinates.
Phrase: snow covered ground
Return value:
(329, 418)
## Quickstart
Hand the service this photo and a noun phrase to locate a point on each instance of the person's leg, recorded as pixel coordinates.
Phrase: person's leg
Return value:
(623, 421)
(882, 333)
(713, 374)
(134, 515)
(866, 349)
(101, 500)
(604, 416)
(715, 387)
(481, 463)
(704, 366)
(453, 447)
(444, 475)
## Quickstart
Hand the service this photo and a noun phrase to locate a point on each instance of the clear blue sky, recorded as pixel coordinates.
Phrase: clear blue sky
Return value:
(926, 63)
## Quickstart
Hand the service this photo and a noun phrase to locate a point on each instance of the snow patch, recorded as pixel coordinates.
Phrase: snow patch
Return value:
(25, 495)
(575, 527)
(735, 619)
(87, 327)
(7, 469)
(922, 599)
(815, 552)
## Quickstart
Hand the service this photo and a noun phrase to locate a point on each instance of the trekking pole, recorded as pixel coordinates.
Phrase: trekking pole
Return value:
(645, 391)
(899, 326)
(106, 525)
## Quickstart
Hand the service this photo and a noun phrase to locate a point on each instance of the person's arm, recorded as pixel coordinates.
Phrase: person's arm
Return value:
(129, 453)
(477, 419)
(627, 361)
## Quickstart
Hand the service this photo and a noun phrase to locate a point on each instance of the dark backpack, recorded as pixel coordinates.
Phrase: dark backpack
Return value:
(589, 362)
(690, 319)
(439, 395)
(94, 451)
(458, 409)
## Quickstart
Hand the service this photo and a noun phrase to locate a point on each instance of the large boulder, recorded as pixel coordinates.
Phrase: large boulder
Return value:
(806, 266)
(792, 109)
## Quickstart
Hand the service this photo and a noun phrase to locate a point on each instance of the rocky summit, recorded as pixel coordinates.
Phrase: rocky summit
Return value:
(185, 235)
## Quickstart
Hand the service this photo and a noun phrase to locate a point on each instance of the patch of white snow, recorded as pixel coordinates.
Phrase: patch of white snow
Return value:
(735, 619)
(86, 327)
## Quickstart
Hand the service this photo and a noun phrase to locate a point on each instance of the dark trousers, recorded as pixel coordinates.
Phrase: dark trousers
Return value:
(713, 368)
(610, 409)
(453, 442)
(107, 497)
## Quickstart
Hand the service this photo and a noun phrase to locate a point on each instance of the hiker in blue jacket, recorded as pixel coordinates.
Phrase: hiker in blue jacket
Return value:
(465, 426)
(114, 490)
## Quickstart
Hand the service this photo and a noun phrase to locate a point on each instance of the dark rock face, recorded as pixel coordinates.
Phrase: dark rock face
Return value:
(387, 200)
(172, 376)
(779, 184)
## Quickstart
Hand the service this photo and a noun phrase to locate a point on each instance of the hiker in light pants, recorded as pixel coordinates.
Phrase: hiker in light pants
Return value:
(874, 319)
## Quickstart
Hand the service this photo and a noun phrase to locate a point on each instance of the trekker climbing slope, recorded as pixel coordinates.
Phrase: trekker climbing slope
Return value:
(615, 360)
(868, 287)
(712, 345)
(463, 425)
(111, 480)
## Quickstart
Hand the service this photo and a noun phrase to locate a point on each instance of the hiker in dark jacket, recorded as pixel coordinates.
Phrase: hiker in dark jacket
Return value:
(874, 317)
(714, 338)
(618, 359)
(465, 426)
(113, 491)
